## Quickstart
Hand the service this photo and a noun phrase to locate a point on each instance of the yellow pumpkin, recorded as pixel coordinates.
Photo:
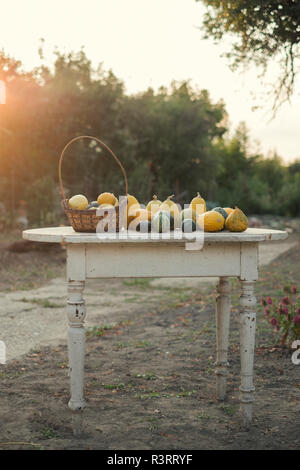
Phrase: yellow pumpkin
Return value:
(105, 206)
(143, 214)
(107, 198)
(198, 204)
(78, 202)
(131, 200)
(211, 221)
(228, 210)
(133, 206)
(171, 207)
(236, 221)
(140, 214)
(153, 206)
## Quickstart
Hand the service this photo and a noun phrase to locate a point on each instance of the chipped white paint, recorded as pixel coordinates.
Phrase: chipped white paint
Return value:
(224, 254)
(76, 342)
(247, 345)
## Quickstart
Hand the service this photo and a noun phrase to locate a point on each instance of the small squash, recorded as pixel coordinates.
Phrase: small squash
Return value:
(221, 211)
(141, 223)
(171, 206)
(236, 221)
(107, 198)
(138, 215)
(198, 204)
(162, 221)
(144, 226)
(211, 221)
(153, 206)
(188, 213)
(78, 202)
(133, 206)
(228, 210)
(188, 225)
(105, 206)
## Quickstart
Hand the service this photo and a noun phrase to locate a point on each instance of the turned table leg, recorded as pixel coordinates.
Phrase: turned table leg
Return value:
(76, 342)
(247, 345)
(222, 325)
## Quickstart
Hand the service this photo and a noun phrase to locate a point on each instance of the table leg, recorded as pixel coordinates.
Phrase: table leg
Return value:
(76, 342)
(222, 325)
(247, 345)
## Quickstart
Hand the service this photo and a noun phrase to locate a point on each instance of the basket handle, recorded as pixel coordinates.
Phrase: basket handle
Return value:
(101, 143)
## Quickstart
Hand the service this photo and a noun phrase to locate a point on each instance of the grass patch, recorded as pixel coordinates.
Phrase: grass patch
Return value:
(133, 299)
(45, 303)
(49, 434)
(143, 344)
(139, 282)
(146, 396)
(119, 386)
(229, 410)
(146, 376)
(203, 416)
(98, 330)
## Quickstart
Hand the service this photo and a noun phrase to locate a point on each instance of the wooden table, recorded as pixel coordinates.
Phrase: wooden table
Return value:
(224, 254)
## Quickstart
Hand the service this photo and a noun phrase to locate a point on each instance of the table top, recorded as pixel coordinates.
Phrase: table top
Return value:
(68, 235)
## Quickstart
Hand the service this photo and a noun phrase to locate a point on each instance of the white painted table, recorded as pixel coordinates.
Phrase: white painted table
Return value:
(224, 254)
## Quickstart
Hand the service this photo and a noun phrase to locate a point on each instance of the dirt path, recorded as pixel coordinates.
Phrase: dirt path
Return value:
(150, 381)
(33, 318)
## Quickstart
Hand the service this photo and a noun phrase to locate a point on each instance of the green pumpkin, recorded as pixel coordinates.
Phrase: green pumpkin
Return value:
(188, 214)
(221, 211)
(144, 226)
(188, 226)
(163, 221)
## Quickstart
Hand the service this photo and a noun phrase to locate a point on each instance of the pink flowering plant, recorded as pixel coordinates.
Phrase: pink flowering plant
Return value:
(284, 314)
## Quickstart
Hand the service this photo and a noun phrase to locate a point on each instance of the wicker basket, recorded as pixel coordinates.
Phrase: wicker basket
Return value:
(88, 220)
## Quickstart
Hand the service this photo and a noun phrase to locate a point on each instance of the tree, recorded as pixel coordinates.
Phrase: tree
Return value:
(174, 130)
(265, 30)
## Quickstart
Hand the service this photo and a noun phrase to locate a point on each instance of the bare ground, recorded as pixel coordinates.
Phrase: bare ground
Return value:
(150, 380)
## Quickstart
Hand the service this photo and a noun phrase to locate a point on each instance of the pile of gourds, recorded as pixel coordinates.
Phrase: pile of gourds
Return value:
(167, 215)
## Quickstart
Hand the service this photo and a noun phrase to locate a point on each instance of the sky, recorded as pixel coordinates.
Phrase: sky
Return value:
(150, 43)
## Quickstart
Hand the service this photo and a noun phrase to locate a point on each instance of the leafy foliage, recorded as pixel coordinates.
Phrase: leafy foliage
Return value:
(264, 31)
(173, 141)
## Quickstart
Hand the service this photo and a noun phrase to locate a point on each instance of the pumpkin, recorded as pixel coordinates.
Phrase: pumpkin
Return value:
(131, 200)
(140, 214)
(143, 226)
(211, 221)
(132, 208)
(162, 221)
(105, 206)
(153, 206)
(172, 208)
(107, 198)
(198, 204)
(221, 211)
(188, 213)
(228, 210)
(236, 221)
(143, 214)
(188, 226)
(78, 202)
